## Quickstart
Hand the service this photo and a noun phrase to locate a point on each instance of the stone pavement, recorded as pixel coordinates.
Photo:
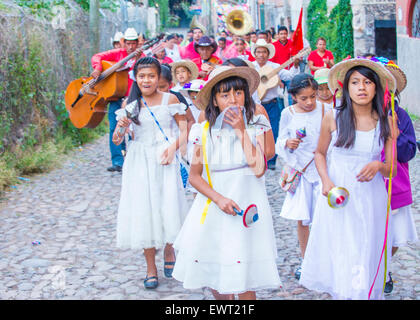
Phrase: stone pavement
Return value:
(72, 211)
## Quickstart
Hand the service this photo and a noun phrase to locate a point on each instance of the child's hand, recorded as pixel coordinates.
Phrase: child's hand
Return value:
(369, 171)
(327, 186)
(124, 122)
(293, 143)
(235, 120)
(168, 156)
(227, 205)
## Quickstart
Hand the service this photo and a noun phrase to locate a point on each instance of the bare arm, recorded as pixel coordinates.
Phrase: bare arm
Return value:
(268, 143)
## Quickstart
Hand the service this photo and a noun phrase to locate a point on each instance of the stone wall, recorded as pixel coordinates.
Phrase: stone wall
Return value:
(365, 12)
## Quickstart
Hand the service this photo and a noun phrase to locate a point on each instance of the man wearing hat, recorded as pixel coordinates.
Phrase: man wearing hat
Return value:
(188, 52)
(207, 60)
(115, 55)
(262, 52)
(116, 41)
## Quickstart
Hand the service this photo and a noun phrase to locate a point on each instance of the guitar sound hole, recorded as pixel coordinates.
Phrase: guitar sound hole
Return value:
(264, 79)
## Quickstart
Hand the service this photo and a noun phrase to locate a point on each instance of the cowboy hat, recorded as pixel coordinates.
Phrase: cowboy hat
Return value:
(338, 72)
(220, 73)
(205, 42)
(191, 66)
(396, 71)
(261, 43)
(131, 34)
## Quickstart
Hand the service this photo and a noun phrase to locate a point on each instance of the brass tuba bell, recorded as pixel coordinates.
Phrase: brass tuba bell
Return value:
(195, 24)
(239, 22)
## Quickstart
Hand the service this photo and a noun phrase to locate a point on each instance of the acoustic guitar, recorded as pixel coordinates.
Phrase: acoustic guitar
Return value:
(87, 98)
(269, 75)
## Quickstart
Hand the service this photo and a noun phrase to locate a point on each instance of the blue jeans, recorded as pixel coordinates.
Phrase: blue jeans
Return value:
(290, 99)
(117, 157)
(274, 110)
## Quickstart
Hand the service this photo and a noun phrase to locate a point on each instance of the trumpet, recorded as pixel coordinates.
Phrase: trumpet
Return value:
(239, 22)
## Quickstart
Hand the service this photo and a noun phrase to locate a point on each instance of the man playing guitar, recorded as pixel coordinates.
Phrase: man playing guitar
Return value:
(262, 52)
(130, 45)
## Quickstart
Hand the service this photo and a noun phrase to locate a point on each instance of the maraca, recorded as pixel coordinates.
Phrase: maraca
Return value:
(249, 216)
(338, 197)
(300, 134)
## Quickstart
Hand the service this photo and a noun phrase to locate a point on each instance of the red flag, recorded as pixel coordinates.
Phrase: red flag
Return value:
(297, 38)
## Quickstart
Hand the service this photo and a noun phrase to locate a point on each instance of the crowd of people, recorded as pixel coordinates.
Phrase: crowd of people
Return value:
(199, 103)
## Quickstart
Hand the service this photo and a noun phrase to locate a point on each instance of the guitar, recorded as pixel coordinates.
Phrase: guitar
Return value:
(269, 76)
(87, 98)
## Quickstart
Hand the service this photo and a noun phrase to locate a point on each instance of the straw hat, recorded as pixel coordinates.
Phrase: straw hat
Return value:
(396, 71)
(195, 85)
(321, 75)
(117, 37)
(261, 43)
(338, 72)
(250, 75)
(131, 34)
(187, 64)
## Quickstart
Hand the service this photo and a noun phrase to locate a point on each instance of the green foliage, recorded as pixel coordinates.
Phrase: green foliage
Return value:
(163, 12)
(317, 20)
(337, 29)
(47, 5)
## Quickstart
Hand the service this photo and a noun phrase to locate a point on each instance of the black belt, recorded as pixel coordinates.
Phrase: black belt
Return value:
(269, 101)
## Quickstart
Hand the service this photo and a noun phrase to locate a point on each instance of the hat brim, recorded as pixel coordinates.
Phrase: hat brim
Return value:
(269, 46)
(250, 75)
(399, 76)
(213, 45)
(338, 72)
(187, 64)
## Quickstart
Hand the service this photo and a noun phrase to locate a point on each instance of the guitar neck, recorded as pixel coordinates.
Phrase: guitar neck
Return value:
(284, 65)
(116, 66)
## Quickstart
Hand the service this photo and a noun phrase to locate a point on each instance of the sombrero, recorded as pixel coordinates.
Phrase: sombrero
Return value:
(187, 64)
(195, 85)
(338, 72)
(396, 71)
(250, 75)
(321, 75)
(261, 43)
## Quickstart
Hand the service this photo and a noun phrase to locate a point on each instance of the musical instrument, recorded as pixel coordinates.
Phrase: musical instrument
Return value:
(249, 216)
(338, 197)
(269, 78)
(195, 24)
(239, 22)
(87, 98)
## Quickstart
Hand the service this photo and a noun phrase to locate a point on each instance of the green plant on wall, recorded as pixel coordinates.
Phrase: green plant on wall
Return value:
(163, 11)
(317, 21)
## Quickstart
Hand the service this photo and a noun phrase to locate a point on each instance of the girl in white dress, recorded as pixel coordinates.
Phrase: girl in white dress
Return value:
(298, 153)
(152, 205)
(343, 255)
(216, 250)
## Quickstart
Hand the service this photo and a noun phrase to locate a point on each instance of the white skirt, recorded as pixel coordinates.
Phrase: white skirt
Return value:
(403, 228)
(301, 204)
(152, 206)
(222, 253)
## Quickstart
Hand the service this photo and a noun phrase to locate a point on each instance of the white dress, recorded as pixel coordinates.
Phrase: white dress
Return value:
(152, 206)
(345, 245)
(301, 204)
(221, 253)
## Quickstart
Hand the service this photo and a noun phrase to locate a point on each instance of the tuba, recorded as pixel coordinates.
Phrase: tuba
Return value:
(239, 22)
(195, 24)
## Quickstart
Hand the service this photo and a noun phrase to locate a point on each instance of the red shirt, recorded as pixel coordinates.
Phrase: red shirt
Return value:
(317, 59)
(283, 52)
(199, 63)
(165, 60)
(114, 55)
(188, 52)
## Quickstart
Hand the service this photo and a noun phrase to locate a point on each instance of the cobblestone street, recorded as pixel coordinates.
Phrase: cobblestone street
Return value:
(71, 212)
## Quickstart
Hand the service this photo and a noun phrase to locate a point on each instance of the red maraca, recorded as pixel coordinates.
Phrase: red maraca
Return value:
(300, 134)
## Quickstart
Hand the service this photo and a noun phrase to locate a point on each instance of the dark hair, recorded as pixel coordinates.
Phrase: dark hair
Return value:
(283, 28)
(171, 36)
(225, 85)
(302, 81)
(146, 62)
(222, 39)
(166, 72)
(252, 32)
(237, 62)
(262, 32)
(346, 119)
(321, 38)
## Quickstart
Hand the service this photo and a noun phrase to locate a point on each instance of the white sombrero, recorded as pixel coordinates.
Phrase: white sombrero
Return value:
(261, 43)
